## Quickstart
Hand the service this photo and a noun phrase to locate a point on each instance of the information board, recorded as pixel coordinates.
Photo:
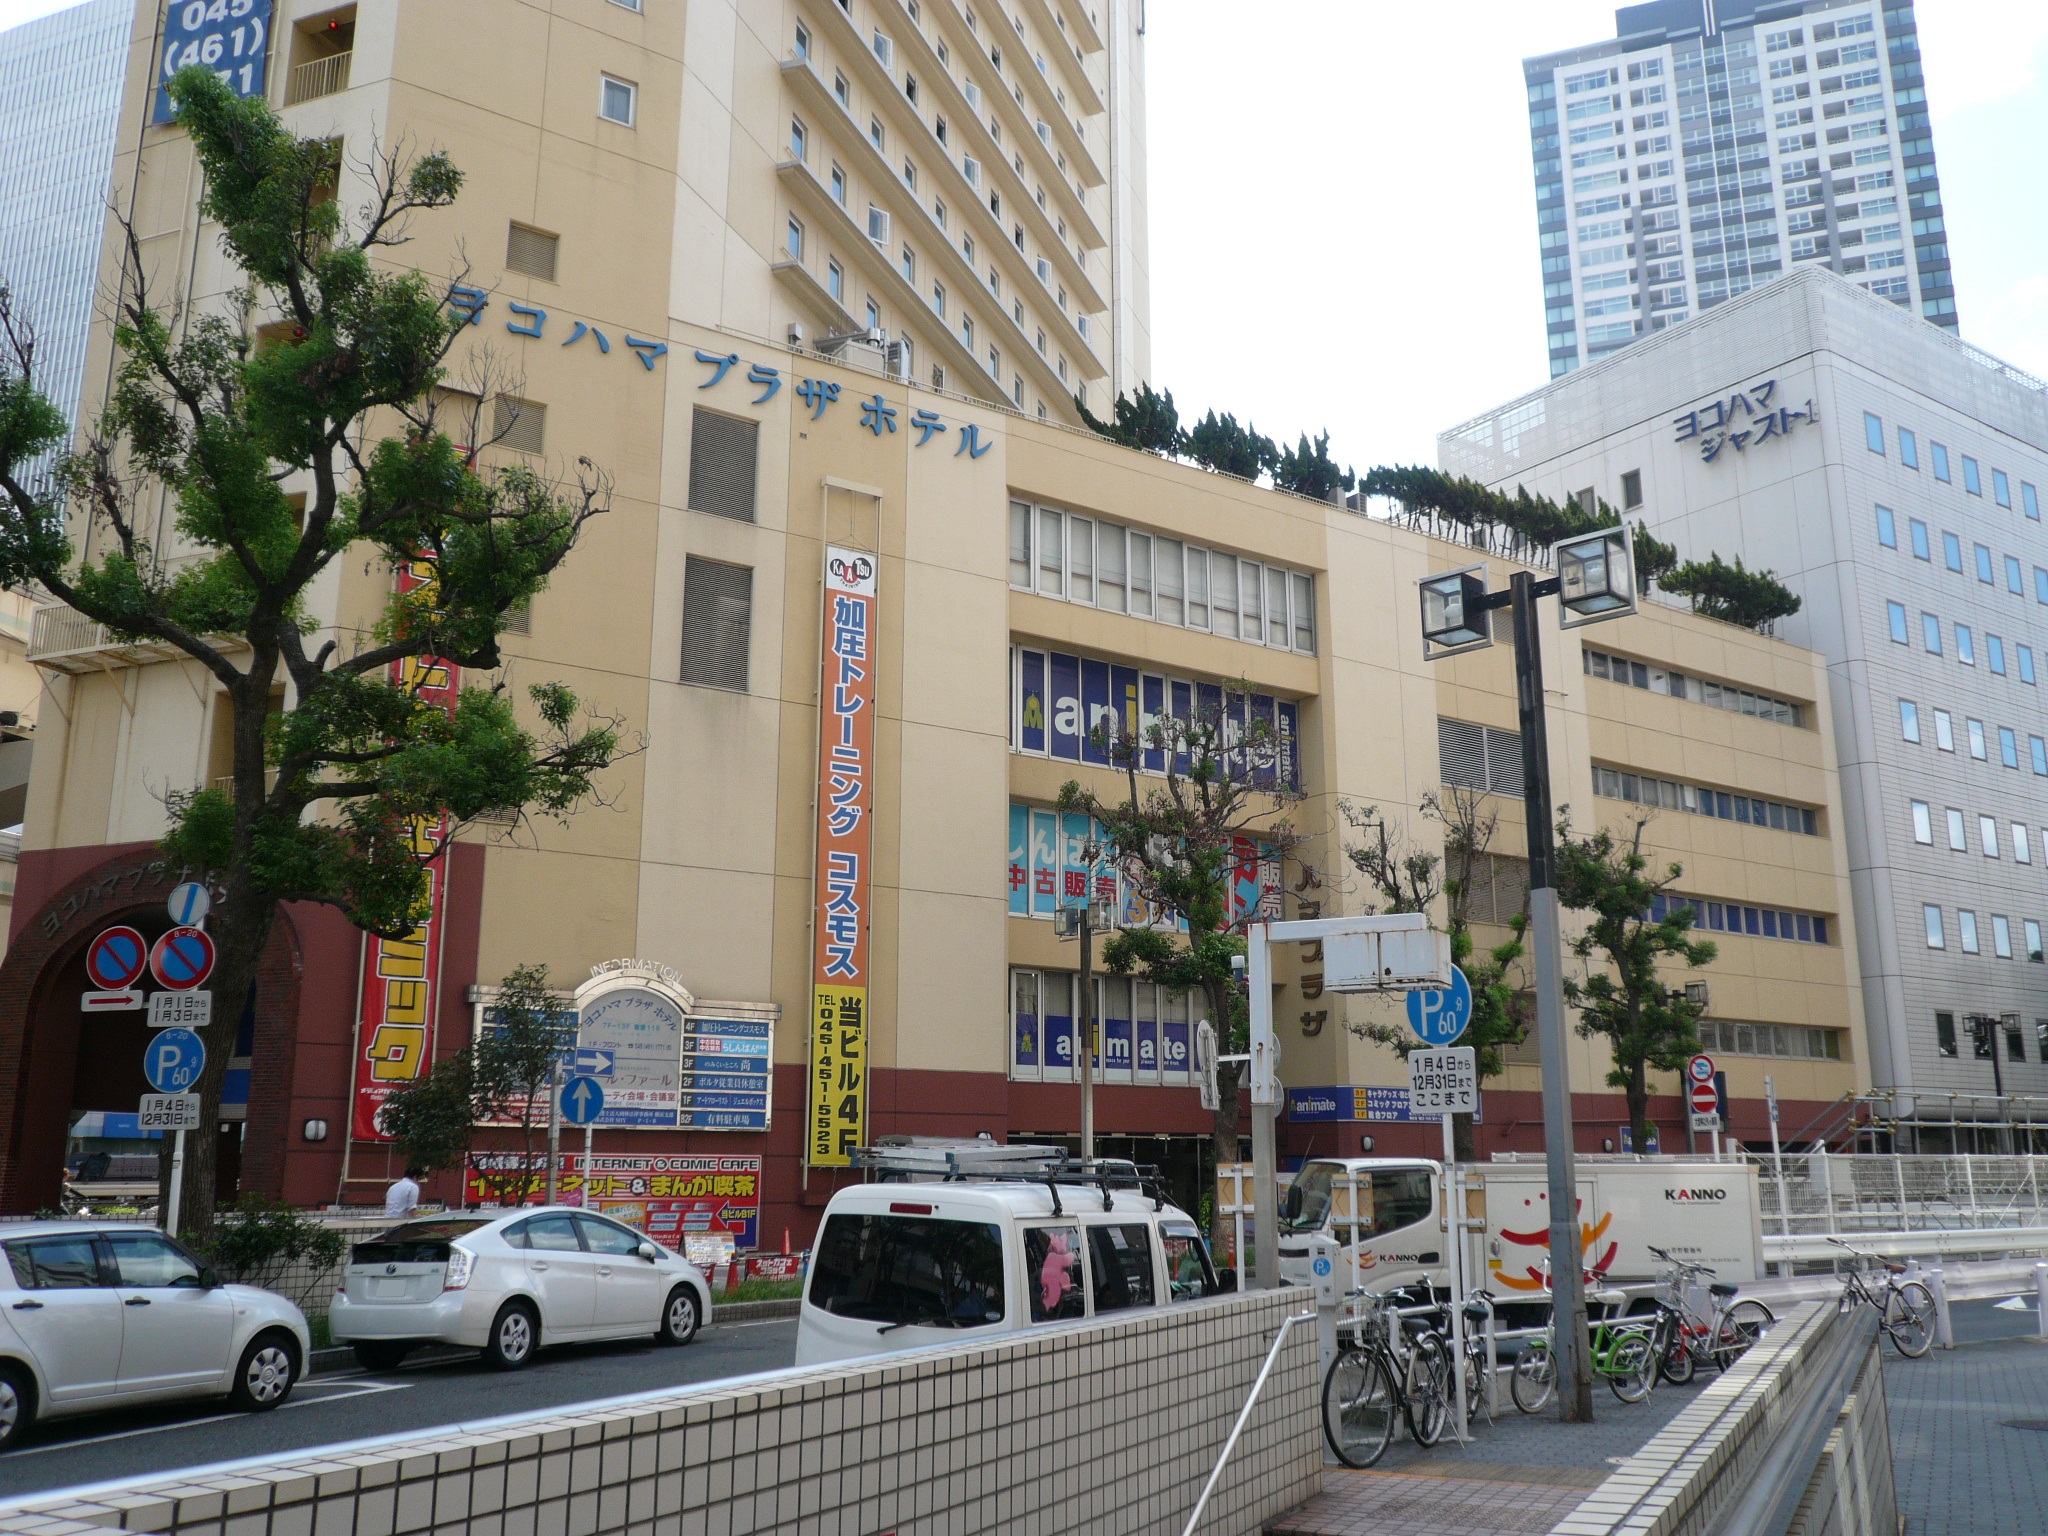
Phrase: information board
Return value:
(1443, 1082)
(229, 37)
(727, 1078)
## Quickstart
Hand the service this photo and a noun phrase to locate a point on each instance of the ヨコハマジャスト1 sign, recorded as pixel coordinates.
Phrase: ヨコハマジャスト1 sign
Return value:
(838, 1064)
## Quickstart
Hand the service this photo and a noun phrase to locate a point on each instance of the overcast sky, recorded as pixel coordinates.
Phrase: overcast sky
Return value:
(1343, 211)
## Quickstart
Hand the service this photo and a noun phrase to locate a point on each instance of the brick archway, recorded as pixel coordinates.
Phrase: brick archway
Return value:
(40, 1028)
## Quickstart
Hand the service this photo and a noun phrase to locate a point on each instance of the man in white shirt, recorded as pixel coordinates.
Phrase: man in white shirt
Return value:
(402, 1196)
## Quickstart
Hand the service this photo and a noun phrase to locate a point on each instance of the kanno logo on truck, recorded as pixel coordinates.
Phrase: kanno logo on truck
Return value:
(1690, 1195)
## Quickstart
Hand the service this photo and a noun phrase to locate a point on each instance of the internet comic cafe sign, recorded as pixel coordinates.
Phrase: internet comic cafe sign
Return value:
(1744, 420)
(878, 416)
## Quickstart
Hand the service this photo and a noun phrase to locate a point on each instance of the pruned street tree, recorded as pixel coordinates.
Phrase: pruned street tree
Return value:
(1176, 834)
(1406, 876)
(322, 367)
(1606, 877)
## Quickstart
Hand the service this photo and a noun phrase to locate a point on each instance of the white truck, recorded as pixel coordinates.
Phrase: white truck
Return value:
(1387, 1216)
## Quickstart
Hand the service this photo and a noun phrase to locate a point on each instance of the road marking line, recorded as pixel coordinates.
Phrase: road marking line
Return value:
(356, 1389)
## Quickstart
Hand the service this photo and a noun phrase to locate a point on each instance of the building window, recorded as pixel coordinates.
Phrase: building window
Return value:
(793, 239)
(1887, 528)
(1976, 728)
(2030, 500)
(1909, 720)
(1909, 449)
(1966, 930)
(799, 141)
(531, 251)
(617, 100)
(2001, 489)
(835, 280)
(909, 266)
(1936, 939)
(2022, 847)
(878, 224)
(1944, 731)
(1940, 463)
(1958, 836)
(1631, 490)
(1923, 824)
(1952, 552)
(1987, 836)
(718, 602)
(842, 90)
(2031, 932)
(2015, 583)
(1918, 531)
(874, 316)
(1973, 481)
(1896, 612)
(839, 186)
(722, 464)
(1944, 1023)
(1984, 565)
(520, 425)
(1966, 645)
(1479, 757)
(1873, 433)
(803, 41)
(2008, 747)
(1930, 633)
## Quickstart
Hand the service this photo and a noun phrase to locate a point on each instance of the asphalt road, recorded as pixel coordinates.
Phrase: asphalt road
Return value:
(96, 1448)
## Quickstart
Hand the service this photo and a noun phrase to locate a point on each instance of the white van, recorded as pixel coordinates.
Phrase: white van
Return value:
(905, 1265)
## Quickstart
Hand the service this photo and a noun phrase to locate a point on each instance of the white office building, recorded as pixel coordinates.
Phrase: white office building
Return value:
(1892, 476)
(1713, 145)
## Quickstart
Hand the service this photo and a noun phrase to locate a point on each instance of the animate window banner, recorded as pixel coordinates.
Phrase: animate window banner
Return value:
(401, 977)
(675, 1198)
(846, 762)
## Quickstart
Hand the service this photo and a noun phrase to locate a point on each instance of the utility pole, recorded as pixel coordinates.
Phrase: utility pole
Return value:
(1084, 1018)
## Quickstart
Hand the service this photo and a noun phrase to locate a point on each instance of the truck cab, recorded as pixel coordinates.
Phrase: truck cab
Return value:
(1385, 1213)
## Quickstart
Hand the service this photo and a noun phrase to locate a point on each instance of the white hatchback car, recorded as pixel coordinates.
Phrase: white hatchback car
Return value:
(98, 1315)
(507, 1282)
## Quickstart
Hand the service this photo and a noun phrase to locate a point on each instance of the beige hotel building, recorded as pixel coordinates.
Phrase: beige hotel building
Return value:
(849, 263)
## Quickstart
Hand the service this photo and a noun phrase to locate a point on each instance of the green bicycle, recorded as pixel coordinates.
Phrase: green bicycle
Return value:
(1622, 1351)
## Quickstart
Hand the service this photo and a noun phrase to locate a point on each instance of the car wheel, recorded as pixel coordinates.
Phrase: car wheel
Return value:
(17, 1404)
(269, 1369)
(679, 1316)
(515, 1334)
(381, 1355)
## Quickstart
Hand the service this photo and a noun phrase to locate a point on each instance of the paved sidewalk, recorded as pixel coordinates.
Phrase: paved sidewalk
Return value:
(1961, 1463)
(1520, 1476)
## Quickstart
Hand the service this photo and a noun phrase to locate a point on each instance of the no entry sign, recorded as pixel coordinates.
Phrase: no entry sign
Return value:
(182, 959)
(1704, 1100)
(116, 958)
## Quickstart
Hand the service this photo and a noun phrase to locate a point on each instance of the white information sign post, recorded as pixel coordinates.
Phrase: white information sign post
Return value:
(1443, 1082)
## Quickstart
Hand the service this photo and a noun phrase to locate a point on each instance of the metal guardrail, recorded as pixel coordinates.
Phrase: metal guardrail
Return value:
(317, 78)
(1229, 1445)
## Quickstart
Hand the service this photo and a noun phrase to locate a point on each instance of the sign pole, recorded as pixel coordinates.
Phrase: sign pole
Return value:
(554, 1128)
(589, 1132)
(1265, 1108)
(1455, 1235)
(177, 1184)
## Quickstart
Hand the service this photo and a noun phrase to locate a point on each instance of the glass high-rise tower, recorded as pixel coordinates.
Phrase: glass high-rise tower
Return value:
(60, 99)
(1713, 145)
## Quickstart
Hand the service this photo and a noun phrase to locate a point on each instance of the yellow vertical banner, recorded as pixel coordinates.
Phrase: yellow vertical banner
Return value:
(837, 1120)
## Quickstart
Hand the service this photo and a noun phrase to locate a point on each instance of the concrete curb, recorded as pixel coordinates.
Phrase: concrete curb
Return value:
(326, 1362)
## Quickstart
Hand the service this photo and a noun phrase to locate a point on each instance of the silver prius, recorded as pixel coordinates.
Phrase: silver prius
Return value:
(99, 1315)
(507, 1282)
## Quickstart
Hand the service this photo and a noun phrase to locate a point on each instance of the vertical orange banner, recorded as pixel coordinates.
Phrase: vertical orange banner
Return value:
(846, 761)
(401, 977)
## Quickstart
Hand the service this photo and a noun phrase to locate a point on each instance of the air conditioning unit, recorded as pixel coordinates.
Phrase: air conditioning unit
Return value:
(796, 334)
(899, 360)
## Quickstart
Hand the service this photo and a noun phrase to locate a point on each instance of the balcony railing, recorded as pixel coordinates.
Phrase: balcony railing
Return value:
(317, 78)
(61, 639)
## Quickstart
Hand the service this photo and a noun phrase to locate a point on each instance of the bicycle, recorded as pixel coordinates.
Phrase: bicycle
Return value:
(1683, 1338)
(1621, 1350)
(1391, 1362)
(1906, 1307)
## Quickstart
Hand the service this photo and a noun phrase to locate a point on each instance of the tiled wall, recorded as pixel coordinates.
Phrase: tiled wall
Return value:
(1109, 1427)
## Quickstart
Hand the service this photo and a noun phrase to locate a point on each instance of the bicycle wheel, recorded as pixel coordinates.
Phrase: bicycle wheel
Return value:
(1428, 1400)
(1632, 1368)
(1676, 1364)
(1358, 1407)
(1534, 1375)
(1744, 1324)
(1909, 1318)
(1475, 1388)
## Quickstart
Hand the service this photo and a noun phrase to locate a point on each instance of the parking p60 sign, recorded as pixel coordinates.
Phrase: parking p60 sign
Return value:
(229, 37)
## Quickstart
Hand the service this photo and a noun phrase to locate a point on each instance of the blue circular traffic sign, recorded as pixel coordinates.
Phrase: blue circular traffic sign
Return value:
(582, 1100)
(1439, 1017)
(116, 958)
(173, 1060)
(182, 959)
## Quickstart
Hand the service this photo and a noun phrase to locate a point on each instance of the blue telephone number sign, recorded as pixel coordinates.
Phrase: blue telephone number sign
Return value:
(229, 37)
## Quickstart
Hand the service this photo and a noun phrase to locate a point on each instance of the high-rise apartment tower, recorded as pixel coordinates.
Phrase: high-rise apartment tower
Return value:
(1713, 145)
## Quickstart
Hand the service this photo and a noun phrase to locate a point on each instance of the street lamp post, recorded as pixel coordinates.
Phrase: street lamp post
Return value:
(1984, 1033)
(1084, 921)
(1594, 581)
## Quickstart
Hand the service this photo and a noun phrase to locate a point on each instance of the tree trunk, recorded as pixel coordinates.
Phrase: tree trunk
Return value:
(1223, 1148)
(1464, 1139)
(1639, 1106)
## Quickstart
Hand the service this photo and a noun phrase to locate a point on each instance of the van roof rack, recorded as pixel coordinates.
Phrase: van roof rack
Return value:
(1021, 1163)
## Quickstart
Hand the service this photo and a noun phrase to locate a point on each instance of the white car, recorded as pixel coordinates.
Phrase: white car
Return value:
(101, 1315)
(507, 1282)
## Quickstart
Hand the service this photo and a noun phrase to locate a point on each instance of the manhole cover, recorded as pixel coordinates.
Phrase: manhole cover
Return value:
(2040, 1424)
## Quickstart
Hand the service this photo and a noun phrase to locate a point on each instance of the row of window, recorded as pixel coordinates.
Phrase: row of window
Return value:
(1144, 1033)
(1641, 789)
(1983, 1039)
(1799, 1042)
(1050, 868)
(1988, 568)
(1751, 922)
(1938, 456)
(1683, 685)
(1076, 708)
(1967, 933)
(1085, 560)
(1975, 736)
(1965, 639)
(1987, 832)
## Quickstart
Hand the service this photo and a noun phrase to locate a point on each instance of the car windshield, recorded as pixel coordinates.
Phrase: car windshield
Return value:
(910, 1270)
(1312, 1209)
